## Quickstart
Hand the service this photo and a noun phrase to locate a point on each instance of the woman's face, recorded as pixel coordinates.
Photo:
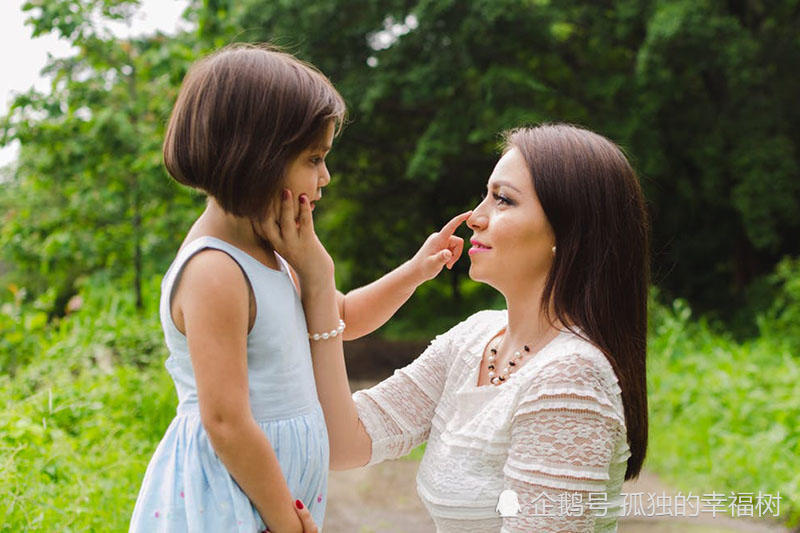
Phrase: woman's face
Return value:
(512, 239)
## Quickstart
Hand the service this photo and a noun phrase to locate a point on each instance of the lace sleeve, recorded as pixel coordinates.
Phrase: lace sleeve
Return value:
(397, 412)
(563, 436)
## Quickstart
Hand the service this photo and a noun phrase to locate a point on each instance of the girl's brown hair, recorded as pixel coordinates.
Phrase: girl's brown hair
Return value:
(241, 115)
(600, 274)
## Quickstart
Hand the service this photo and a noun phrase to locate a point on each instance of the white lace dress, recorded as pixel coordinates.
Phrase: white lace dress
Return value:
(554, 433)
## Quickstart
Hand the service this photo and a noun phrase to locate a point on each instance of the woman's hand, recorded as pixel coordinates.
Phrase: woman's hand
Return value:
(439, 249)
(292, 235)
(305, 518)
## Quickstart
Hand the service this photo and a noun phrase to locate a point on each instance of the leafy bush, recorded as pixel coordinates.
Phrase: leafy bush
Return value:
(782, 321)
(724, 416)
(82, 417)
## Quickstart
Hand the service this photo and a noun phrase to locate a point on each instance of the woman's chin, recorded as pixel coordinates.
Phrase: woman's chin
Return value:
(475, 274)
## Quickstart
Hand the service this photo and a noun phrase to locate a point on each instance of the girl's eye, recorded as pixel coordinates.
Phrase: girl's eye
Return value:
(316, 160)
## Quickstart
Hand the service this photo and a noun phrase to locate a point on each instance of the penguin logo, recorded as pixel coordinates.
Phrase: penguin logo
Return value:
(508, 504)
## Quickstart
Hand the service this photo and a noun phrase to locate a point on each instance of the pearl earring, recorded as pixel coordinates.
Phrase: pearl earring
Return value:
(554, 249)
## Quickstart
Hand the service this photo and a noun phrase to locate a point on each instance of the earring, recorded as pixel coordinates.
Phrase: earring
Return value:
(554, 249)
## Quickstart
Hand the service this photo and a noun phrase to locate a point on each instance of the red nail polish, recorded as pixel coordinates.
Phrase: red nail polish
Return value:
(298, 504)
(302, 198)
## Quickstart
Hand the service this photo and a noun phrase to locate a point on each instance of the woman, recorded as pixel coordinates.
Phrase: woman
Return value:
(546, 399)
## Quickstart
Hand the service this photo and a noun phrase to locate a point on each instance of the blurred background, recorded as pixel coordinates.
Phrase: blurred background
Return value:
(702, 96)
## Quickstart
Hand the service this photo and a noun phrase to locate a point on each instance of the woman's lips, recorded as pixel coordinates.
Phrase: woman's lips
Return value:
(478, 247)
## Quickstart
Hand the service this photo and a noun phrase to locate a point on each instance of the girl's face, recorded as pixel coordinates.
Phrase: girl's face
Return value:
(307, 173)
(512, 239)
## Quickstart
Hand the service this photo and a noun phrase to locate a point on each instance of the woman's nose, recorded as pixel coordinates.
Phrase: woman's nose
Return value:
(477, 220)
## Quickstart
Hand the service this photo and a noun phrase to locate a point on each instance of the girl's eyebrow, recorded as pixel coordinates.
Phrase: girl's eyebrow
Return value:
(500, 183)
(321, 147)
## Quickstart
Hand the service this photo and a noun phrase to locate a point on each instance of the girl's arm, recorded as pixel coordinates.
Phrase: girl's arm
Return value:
(350, 444)
(367, 308)
(293, 237)
(213, 297)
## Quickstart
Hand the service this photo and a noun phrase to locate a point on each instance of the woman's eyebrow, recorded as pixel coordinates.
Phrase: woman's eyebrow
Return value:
(500, 183)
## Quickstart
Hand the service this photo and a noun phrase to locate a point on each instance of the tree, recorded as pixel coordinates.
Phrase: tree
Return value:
(700, 94)
(89, 195)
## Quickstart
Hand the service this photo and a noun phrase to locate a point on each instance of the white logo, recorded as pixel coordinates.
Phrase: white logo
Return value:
(508, 504)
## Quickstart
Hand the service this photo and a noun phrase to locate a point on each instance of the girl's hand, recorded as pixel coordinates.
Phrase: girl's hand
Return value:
(439, 249)
(292, 235)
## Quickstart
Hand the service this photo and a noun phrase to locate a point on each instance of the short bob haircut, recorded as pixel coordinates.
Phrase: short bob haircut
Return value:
(600, 276)
(242, 114)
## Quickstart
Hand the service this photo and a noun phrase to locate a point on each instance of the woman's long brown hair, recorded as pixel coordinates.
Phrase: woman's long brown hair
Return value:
(600, 274)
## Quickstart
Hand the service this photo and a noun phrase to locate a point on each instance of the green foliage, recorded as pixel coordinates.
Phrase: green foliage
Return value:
(89, 192)
(81, 419)
(82, 416)
(782, 321)
(700, 94)
(713, 134)
(724, 415)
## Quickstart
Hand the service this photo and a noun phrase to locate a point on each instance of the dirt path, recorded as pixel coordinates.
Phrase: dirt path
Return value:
(383, 499)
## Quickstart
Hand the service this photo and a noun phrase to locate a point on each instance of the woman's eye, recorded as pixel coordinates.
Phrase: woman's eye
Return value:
(502, 199)
(316, 160)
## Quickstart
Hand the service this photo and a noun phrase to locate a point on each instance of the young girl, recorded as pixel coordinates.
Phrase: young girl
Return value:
(249, 443)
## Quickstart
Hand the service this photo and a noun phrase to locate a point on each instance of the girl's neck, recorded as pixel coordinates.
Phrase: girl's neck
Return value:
(238, 231)
(215, 221)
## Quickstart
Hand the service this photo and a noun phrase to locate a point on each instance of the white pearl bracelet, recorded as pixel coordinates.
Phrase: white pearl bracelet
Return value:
(328, 334)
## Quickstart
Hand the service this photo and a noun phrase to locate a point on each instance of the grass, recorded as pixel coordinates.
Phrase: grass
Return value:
(89, 400)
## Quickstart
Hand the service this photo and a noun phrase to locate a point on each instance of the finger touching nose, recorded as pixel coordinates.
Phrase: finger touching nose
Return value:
(476, 220)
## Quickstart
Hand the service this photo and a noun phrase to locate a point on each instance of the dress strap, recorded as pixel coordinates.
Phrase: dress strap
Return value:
(285, 266)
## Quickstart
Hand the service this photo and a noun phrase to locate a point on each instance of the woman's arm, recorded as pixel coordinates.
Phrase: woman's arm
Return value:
(563, 436)
(213, 298)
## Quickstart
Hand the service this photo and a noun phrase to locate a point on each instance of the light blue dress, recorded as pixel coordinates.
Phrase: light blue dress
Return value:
(186, 486)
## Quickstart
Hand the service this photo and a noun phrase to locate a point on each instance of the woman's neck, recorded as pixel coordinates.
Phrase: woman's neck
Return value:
(527, 323)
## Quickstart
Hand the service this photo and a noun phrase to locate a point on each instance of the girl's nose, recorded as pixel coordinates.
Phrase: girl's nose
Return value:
(324, 176)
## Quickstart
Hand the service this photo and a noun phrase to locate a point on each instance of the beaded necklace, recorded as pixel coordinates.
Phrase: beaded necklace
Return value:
(513, 363)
